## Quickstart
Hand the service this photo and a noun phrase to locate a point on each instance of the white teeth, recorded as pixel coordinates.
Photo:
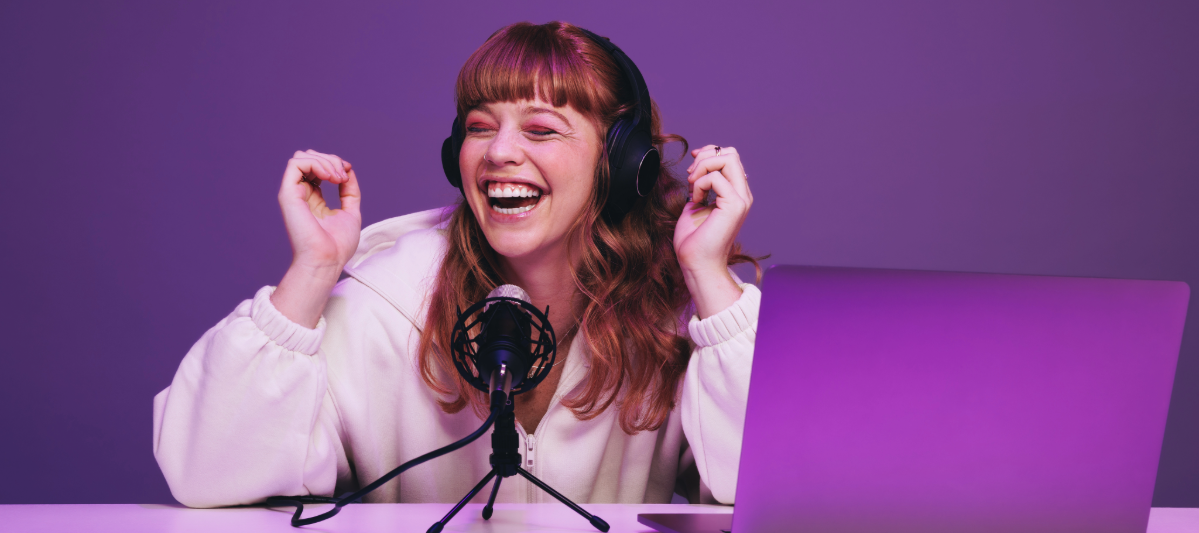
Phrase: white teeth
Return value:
(508, 190)
(512, 211)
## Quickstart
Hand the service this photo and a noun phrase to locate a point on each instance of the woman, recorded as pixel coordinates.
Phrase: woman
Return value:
(319, 386)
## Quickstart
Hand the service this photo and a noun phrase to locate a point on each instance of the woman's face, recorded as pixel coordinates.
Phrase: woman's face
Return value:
(527, 172)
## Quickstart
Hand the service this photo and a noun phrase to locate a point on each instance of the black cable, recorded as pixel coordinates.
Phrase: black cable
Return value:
(299, 501)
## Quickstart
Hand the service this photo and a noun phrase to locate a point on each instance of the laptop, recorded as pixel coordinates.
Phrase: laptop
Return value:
(903, 401)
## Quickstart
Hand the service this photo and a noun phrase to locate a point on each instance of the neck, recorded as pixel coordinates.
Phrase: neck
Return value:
(547, 279)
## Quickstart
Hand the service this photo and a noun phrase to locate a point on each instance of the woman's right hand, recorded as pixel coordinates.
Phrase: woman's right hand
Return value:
(322, 239)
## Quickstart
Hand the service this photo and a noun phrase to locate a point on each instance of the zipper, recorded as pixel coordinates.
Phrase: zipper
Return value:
(530, 443)
(529, 461)
(525, 462)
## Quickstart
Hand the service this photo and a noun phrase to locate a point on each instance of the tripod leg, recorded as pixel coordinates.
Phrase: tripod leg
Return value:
(491, 501)
(436, 527)
(596, 521)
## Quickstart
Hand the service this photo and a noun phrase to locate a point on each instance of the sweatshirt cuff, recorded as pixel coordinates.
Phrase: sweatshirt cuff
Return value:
(723, 326)
(280, 329)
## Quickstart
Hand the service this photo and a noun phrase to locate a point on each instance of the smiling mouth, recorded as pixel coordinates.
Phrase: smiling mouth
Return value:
(512, 198)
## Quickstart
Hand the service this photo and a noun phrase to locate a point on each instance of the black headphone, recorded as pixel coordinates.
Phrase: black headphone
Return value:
(633, 161)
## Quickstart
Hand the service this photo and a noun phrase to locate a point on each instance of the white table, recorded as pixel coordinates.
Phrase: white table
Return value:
(390, 518)
(385, 517)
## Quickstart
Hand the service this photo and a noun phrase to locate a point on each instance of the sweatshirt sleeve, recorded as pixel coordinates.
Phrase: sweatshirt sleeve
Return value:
(716, 388)
(248, 414)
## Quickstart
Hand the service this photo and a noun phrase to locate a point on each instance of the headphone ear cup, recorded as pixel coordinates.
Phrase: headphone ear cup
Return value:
(449, 164)
(633, 167)
(642, 161)
(450, 148)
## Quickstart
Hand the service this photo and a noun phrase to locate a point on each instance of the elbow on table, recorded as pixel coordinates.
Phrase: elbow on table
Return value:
(205, 492)
(725, 495)
(201, 482)
(197, 497)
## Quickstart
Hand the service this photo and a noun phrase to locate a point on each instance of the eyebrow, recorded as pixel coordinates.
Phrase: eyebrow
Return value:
(545, 111)
(531, 110)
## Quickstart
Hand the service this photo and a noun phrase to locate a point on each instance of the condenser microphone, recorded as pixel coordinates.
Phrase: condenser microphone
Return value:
(503, 344)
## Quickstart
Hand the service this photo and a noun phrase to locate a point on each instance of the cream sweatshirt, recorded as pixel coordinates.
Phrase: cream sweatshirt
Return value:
(262, 406)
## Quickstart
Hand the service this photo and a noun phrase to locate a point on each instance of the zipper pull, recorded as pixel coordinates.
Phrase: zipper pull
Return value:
(529, 456)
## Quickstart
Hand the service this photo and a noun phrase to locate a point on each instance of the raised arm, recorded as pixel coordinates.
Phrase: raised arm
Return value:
(248, 414)
(322, 239)
(705, 233)
(716, 385)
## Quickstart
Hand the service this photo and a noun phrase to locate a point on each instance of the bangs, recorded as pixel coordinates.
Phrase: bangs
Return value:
(524, 62)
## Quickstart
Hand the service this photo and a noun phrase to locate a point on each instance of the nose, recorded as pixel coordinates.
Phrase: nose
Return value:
(504, 148)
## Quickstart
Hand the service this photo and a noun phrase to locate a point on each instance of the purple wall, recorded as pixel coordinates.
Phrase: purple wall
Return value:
(142, 146)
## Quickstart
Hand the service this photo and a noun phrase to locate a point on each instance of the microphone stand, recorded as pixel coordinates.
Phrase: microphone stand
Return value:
(505, 462)
(505, 442)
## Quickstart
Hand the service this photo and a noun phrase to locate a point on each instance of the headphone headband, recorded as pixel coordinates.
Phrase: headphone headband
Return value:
(642, 109)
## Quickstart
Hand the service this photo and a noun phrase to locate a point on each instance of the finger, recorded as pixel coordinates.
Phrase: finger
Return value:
(335, 163)
(339, 164)
(699, 190)
(713, 149)
(351, 196)
(315, 167)
(302, 177)
(309, 165)
(728, 199)
(710, 153)
(708, 182)
(332, 162)
(706, 150)
(710, 150)
(748, 193)
(299, 191)
(728, 165)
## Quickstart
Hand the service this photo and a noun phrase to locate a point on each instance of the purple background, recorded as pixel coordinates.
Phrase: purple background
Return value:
(142, 144)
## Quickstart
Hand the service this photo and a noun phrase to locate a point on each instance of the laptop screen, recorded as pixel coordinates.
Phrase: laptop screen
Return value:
(888, 400)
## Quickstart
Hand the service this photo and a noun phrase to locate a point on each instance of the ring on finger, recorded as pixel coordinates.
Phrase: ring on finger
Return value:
(717, 150)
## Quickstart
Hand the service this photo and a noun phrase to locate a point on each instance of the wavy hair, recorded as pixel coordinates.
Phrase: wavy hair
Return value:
(633, 296)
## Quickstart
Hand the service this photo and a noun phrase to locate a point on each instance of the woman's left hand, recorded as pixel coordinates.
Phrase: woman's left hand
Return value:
(705, 232)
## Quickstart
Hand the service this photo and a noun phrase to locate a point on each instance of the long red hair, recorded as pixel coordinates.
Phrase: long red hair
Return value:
(633, 296)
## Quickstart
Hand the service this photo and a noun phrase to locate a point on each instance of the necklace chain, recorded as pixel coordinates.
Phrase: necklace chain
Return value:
(557, 346)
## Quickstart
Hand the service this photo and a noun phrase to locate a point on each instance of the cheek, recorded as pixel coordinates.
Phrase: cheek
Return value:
(584, 172)
(471, 151)
(574, 170)
(468, 162)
